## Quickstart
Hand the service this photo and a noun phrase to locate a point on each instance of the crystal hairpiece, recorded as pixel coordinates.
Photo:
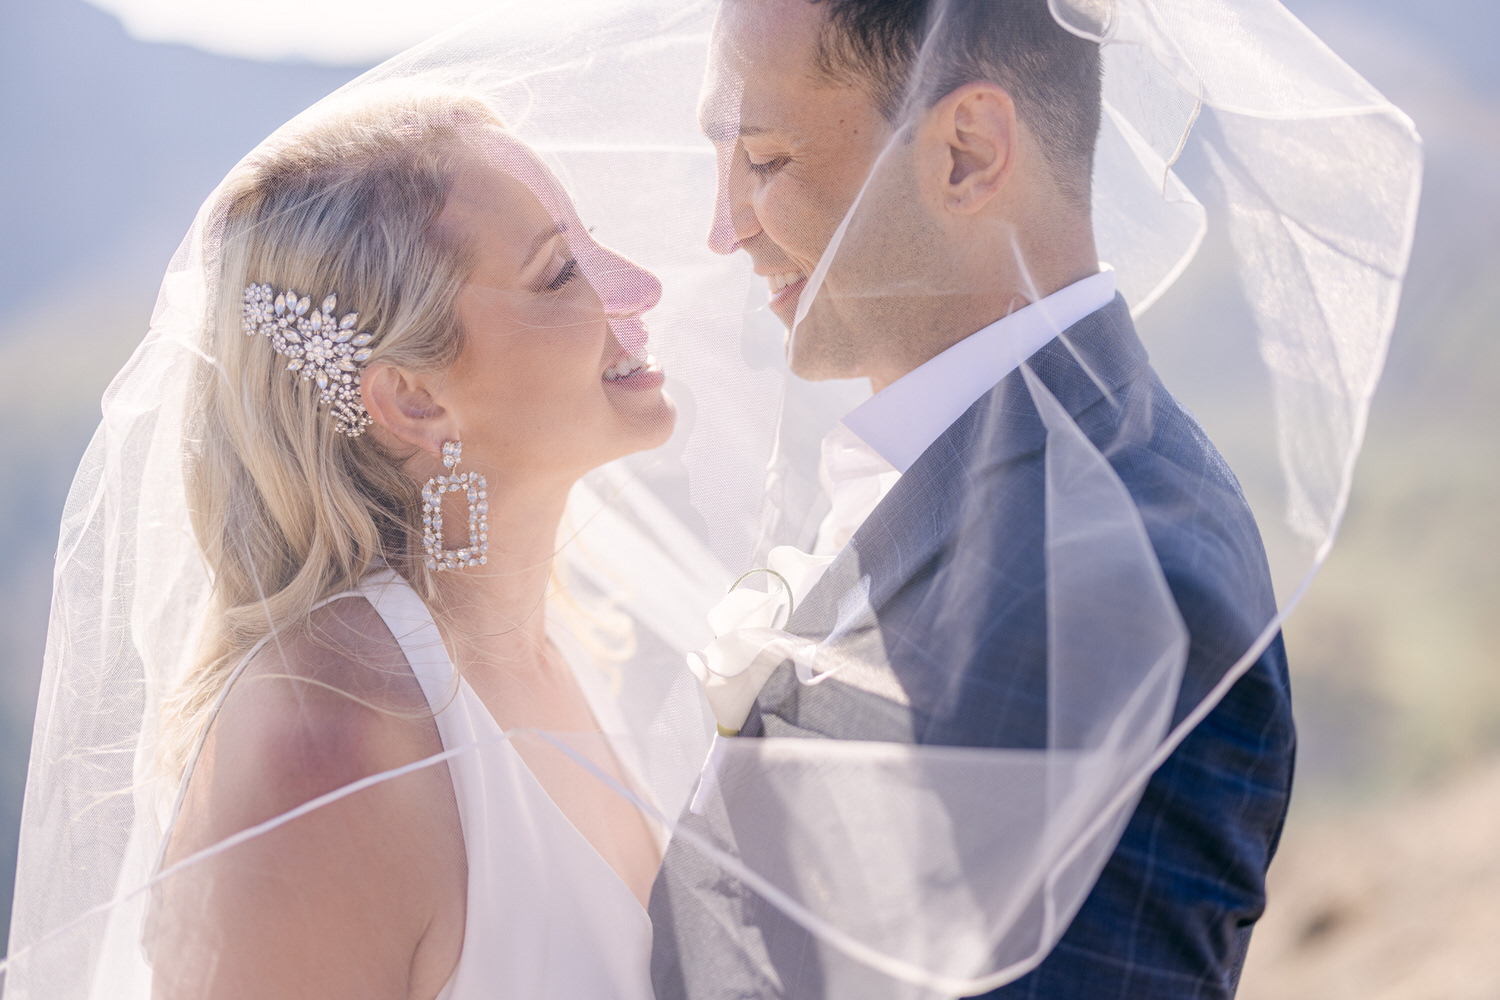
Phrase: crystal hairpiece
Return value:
(323, 348)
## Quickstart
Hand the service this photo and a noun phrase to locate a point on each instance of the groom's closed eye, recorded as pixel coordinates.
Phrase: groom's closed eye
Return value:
(765, 168)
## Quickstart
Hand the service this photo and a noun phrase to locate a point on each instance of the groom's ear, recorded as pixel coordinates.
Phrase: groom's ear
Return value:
(970, 136)
(402, 405)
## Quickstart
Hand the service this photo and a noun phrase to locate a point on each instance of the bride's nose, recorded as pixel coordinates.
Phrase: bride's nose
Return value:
(624, 287)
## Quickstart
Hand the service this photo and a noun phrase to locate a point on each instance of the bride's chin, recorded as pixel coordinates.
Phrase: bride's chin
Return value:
(650, 425)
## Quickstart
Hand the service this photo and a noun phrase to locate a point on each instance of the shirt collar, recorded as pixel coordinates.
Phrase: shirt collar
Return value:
(903, 419)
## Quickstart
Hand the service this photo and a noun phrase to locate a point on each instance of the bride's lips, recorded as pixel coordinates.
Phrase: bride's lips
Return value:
(628, 372)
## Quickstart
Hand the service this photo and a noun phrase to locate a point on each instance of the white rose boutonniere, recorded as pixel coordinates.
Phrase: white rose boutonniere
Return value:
(749, 640)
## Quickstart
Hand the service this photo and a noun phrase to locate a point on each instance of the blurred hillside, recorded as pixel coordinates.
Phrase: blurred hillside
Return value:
(1396, 899)
(1393, 653)
(110, 147)
(1387, 874)
(1387, 885)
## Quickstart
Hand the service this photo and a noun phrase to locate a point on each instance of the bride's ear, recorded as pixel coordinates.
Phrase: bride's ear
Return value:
(402, 405)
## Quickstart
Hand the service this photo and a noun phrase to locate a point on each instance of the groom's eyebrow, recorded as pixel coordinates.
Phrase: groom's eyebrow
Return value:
(729, 131)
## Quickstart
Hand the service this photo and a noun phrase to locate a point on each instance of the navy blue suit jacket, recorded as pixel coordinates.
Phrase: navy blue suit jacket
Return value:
(1171, 913)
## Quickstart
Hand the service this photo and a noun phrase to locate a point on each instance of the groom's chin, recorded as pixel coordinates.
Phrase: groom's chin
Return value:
(819, 351)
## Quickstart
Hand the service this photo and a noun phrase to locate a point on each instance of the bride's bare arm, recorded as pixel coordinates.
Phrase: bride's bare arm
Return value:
(360, 898)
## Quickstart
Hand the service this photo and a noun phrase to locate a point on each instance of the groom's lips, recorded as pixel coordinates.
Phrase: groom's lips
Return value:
(784, 302)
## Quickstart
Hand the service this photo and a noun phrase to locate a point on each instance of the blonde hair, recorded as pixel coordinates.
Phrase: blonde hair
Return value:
(287, 510)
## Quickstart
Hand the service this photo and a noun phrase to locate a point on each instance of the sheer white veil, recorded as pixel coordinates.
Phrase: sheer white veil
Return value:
(912, 869)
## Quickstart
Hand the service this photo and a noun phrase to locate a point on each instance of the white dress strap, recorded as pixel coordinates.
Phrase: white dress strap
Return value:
(547, 918)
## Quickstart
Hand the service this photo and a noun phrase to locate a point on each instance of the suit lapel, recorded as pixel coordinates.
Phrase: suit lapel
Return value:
(1088, 362)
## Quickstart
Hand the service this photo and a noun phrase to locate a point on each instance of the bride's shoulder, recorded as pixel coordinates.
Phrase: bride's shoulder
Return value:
(327, 702)
(377, 876)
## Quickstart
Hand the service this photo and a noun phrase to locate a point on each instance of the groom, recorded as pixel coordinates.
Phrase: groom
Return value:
(973, 246)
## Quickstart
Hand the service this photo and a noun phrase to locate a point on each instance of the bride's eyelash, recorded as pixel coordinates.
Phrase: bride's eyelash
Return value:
(568, 273)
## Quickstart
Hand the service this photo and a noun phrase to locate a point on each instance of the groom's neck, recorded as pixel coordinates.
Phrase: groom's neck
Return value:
(996, 270)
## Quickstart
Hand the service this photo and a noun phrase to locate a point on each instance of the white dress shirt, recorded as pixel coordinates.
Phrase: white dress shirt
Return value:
(863, 458)
(866, 453)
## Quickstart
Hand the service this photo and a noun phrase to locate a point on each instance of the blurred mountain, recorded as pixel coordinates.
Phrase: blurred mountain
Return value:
(1398, 675)
(1386, 882)
(1461, 31)
(110, 146)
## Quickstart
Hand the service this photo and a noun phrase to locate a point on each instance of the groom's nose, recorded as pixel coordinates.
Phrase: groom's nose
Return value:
(734, 216)
(721, 238)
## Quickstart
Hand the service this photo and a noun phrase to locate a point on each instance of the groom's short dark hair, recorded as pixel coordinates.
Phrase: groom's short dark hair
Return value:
(1052, 75)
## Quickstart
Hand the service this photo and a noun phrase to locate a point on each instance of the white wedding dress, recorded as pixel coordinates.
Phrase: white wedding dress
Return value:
(547, 917)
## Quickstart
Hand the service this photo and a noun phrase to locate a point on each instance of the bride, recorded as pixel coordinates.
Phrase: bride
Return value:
(405, 298)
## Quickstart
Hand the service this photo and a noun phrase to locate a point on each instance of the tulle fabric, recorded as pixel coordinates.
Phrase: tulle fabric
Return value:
(912, 868)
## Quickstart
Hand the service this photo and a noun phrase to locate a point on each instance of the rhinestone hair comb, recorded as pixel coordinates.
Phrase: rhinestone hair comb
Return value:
(323, 348)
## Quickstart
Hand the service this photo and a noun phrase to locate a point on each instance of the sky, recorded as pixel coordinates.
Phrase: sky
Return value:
(364, 32)
(333, 32)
